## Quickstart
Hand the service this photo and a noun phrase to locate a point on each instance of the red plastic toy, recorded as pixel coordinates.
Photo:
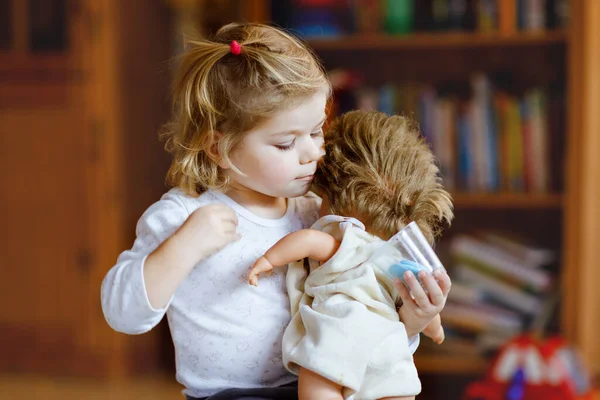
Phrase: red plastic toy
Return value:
(527, 369)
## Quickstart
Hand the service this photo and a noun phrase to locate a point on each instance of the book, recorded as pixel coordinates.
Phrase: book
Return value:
(462, 293)
(507, 20)
(500, 292)
(481, 318)
(499, 263)
(531, 256)
(539, 153)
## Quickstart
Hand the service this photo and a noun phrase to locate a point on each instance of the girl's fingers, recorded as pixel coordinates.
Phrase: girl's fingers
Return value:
(436, 295)
(418, 293)
(443, 280)
(227, 214)
(404, 293)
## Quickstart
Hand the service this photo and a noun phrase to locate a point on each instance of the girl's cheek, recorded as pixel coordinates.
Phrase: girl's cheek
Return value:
(274, 168)
(283, 172)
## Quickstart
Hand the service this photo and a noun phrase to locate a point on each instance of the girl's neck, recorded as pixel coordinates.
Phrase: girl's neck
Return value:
(259, 204)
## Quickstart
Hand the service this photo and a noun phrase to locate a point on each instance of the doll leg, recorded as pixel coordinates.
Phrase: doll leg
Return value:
(312, 386)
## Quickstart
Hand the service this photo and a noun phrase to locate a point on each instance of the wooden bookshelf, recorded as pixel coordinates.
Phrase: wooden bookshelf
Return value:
(462, 53)
(376, 42)
(567, 59)
(508, 200)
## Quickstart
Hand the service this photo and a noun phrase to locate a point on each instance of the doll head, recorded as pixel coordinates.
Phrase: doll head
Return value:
(380, 170)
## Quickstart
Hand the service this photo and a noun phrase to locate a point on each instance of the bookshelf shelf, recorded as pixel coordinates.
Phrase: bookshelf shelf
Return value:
(439, 363)
(438, 40)
(508, 200)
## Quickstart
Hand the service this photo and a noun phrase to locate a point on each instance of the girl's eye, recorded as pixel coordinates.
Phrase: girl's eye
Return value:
(286, 146)
(317, 133)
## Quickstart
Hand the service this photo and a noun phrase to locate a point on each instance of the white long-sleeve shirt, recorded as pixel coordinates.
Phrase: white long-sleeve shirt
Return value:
(226, 333)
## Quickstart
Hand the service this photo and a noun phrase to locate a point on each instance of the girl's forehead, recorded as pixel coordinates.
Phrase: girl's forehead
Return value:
(301, 117)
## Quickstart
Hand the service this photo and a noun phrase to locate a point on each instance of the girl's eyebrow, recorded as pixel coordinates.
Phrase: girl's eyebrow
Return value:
(321, 122)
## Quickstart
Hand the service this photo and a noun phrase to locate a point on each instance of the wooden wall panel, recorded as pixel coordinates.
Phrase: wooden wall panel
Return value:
(43, 223)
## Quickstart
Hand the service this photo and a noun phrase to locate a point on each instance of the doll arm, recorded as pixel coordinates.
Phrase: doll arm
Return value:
(434, 330)
(319, 246)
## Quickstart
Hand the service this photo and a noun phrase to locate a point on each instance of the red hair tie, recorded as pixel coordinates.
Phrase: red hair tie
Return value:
(235, 48)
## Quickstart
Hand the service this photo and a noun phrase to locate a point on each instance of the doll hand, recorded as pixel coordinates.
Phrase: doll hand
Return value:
(420, 308)
(261, 265)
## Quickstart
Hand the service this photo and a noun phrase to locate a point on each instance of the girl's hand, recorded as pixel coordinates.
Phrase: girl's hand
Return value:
(421, 308)
(261, 265)
(206, 231)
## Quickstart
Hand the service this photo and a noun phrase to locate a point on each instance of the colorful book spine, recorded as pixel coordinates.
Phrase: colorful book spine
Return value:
(499, 291)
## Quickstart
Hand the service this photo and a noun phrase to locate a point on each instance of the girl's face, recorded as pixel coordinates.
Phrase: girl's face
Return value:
(279, 157)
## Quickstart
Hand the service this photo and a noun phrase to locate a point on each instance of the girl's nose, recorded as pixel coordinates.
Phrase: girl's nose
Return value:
(312, 152)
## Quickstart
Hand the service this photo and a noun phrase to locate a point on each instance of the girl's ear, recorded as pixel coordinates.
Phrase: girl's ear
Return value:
(214, 153)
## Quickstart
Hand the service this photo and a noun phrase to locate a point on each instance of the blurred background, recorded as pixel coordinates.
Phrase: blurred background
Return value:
(505, 91)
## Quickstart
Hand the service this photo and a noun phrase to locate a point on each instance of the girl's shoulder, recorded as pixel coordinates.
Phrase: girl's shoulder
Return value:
(177, 198)
(167, 214)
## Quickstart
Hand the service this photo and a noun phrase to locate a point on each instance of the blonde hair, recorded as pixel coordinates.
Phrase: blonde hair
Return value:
(379, 169)
(217, 91)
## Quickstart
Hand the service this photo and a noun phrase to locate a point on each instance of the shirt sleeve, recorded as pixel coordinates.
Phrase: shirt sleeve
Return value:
(413, 343)
(124, 298)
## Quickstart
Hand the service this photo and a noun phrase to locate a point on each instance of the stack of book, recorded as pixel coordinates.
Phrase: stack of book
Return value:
(500, 289)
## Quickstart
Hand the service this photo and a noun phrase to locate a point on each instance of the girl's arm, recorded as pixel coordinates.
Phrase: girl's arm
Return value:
(124, 293)
(137, 290)
(311, 243)
(206, 231)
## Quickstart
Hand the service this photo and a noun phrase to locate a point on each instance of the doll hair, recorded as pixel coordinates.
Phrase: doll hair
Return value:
(379, 169)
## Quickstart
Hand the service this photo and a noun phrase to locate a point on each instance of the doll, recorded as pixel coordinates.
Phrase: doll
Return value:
(345, 336)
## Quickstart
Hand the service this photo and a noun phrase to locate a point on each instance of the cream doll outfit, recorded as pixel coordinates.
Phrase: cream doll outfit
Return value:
(345, 326)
